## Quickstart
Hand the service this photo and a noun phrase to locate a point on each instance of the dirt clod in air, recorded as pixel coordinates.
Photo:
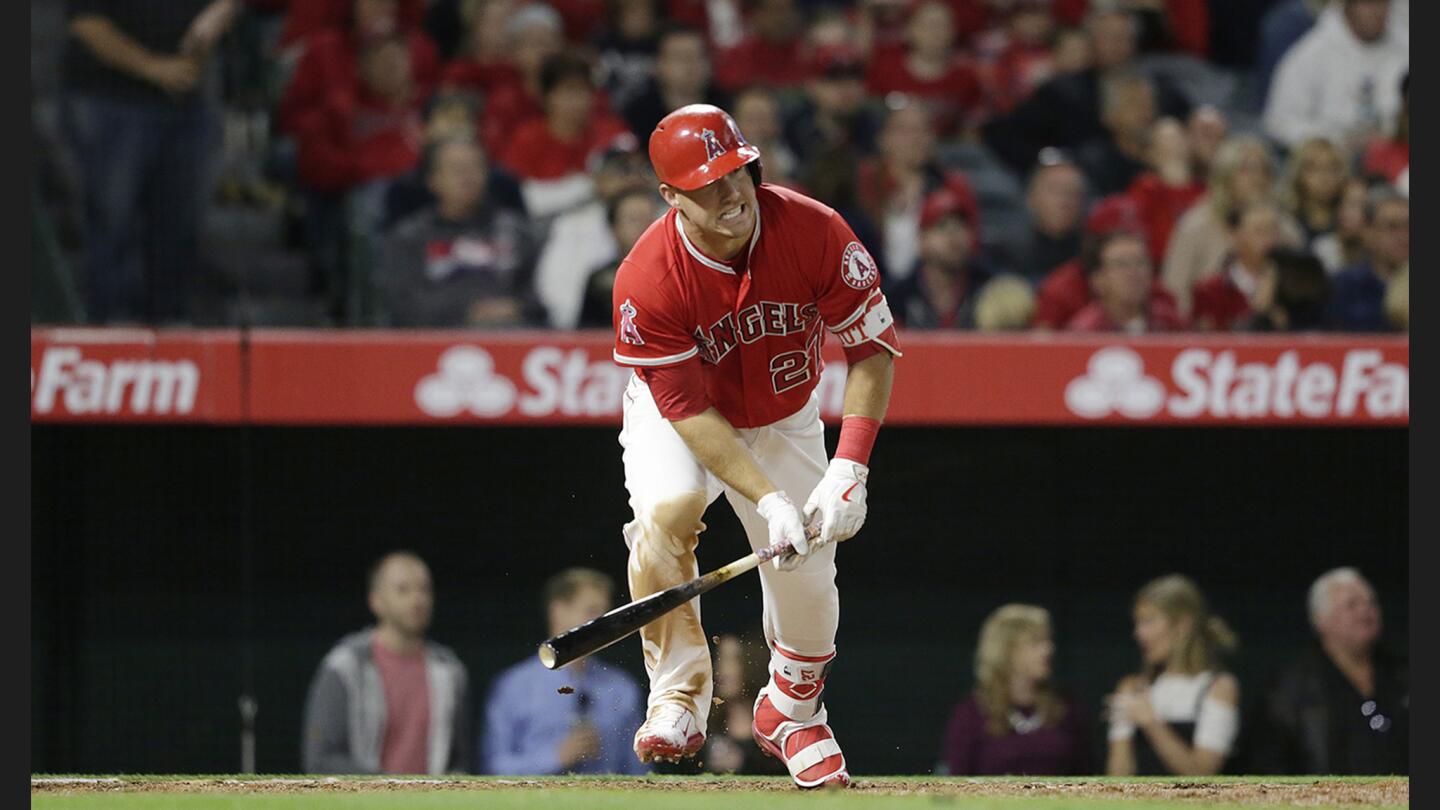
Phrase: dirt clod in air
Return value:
(566, 690)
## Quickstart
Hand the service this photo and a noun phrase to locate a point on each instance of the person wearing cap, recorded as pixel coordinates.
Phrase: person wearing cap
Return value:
(721, 309)
(942, 290)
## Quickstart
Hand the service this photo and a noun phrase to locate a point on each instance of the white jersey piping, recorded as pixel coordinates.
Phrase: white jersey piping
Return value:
(706, 260)
(656, 361)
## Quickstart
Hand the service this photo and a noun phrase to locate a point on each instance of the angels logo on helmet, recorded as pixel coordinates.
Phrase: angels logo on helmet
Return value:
(713, 149)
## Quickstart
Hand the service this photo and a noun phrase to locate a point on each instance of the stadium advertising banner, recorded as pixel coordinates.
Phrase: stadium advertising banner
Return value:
(290, 377)
(134, 375)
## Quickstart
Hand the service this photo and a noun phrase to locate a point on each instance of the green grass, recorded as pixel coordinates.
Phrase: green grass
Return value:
(721, 793)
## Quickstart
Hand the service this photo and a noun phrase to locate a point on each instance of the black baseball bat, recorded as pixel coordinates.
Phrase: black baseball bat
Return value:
(599, 633)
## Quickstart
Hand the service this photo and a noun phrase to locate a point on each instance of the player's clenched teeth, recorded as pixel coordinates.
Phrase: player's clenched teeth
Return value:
(733, 214)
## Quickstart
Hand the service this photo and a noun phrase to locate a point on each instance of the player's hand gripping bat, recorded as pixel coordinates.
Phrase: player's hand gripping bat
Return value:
(599, 633)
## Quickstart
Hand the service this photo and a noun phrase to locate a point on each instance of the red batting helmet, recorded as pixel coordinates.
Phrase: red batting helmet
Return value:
(698, 144)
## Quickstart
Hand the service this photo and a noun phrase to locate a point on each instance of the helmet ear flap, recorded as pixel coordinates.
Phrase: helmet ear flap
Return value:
(756, 171)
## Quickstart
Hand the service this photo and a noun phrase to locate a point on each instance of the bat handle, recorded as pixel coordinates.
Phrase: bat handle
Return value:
(783, 547)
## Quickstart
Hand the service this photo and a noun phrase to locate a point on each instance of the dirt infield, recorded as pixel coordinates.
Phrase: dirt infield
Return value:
(1250, 791)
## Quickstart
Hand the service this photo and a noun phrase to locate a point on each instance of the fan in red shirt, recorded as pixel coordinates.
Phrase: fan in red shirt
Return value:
(1245, 285)
(722, 307)
(1121, 277)
(329, 62)
(929, 67)
(371, 133)
(534, 34)
(575, 126)
(770, 53)
(484, 60)
(1016, 58)
(1164, 193)
(1066, 290)
(1386, 157)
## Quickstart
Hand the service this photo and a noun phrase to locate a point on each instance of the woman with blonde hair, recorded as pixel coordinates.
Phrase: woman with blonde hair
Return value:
(1242, 174)
(1006, 304)
(1015, 722)
(1180, 715)
(1314, 181)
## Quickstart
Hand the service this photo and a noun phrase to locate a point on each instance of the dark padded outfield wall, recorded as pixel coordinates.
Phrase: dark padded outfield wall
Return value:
(166, 581)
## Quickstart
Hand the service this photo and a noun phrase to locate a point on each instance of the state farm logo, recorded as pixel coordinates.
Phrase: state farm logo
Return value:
(1115, 381)
(552, 382)
(1215, 385)
(466, 381)
(87, 386)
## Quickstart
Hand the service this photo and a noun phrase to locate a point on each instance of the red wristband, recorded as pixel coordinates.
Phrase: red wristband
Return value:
(857, 438)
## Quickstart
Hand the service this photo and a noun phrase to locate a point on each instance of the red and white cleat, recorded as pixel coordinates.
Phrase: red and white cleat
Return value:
(668, 733)
(790, 721)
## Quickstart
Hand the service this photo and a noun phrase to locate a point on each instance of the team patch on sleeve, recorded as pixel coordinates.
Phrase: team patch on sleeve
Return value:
(629, 333)
(871, 322)
(857, 267)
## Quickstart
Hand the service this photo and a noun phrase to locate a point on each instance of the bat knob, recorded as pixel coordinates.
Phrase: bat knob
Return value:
(548, 655)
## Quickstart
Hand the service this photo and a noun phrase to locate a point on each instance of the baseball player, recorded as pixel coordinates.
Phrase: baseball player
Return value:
(721, 309)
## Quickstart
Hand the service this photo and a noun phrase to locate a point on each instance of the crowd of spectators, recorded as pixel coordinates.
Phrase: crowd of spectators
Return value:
(387, 699)
(482, 162)
(1339, 707)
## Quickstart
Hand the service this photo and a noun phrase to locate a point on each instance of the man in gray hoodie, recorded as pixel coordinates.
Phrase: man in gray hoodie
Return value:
(386, 700)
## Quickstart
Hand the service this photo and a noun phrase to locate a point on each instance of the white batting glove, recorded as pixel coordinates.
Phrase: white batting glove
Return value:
(839, 501)
(785, 524)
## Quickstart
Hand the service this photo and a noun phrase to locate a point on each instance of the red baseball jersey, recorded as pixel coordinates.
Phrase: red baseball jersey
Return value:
(755, 324)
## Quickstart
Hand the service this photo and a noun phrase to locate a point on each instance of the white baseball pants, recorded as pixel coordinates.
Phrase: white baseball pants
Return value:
(669, 491)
